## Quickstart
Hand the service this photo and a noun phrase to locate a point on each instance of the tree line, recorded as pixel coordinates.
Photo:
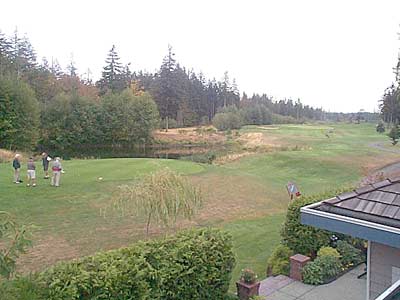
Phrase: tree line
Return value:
(390, 102)
(45, 106)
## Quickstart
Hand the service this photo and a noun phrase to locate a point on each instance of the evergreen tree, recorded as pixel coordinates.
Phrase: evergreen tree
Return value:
(23, 57)
(166, 90)
(5, 53)
(111, 75)
(71, 68)
(394, 134)
(390, 105)
(56, 69)
(212, 98)
(19, 115)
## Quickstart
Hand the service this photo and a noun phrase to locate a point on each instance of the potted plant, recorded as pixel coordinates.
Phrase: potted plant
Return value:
(248, 285)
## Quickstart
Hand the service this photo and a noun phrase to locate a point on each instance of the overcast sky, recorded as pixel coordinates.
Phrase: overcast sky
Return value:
(334, 54)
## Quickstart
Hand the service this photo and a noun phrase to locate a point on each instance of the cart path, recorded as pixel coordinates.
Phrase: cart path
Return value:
(381, 146)
(388, 169)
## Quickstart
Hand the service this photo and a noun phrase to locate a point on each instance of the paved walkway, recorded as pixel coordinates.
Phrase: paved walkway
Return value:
(347, 287)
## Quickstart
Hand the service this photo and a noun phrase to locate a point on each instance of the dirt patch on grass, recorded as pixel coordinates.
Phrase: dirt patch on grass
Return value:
(46, 252)
(195, 135)
(267, 127)
(230, 197)
(252, 140)
(231, 157)
(363, 163)
(311, 127)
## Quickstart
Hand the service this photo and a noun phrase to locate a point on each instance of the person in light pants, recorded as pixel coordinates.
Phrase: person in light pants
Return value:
(56, 168)
(31, 172)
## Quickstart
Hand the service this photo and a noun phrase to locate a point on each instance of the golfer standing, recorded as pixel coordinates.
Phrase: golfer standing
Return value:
(17, 168)
(31, 172)
(56, 168)
(45, 161)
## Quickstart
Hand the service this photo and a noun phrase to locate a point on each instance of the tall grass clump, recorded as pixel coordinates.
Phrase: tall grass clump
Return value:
(162, 197)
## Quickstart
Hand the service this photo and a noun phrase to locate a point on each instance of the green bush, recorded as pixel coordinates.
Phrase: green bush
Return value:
(278, 262)
(350, 255)
(394, 134)
(321, 270)
(21, 288)
(248, 276)
(328, 251)
(256, 114)
(300, 238)
(280, 119)
(231, 297)
(191, 265)
(172, 123)
(225, 121)
(380, 127)
(203, 158)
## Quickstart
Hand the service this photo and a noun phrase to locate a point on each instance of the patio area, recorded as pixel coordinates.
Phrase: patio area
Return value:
(347, 287)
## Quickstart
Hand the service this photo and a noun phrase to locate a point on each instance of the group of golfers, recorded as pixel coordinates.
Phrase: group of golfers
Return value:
(31, 170)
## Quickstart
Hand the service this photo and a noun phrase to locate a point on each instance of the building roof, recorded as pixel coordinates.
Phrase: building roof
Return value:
(377, 203)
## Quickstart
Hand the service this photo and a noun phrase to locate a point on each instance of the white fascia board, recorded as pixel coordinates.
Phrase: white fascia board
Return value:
(388, 293)
(309, 210)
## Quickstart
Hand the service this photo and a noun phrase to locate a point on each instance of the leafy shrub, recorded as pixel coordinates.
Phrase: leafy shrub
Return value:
(350, 255)
(227, 121)
(321, 270)
(231, 297)
(14, 241)
(172, 123)
(248, 276)
(380, 127)
(204, 158)
(278, 262)
(21, 288)
(204, 120)
(394, 134)
(163, 197)
(312, 273)
(256, 114)
(194, 264)
(328, 251)
(280, 119)
(300, 238)
(356, 242)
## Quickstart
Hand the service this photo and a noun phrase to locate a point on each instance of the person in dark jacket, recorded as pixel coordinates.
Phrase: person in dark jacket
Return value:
(45, 161)
(17, 168)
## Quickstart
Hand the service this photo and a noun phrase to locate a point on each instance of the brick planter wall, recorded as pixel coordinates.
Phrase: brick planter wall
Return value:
(246, 291)
(297, 263)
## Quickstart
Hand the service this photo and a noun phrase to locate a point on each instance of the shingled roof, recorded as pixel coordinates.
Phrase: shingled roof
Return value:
(378, 203)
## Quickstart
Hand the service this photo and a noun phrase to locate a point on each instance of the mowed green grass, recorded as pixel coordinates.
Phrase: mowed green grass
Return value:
(70, 220)
(253, 242)
(246, 197)
(325, 163)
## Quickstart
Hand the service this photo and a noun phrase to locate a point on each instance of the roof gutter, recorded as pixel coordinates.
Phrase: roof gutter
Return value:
(390, 292)
(359, 228)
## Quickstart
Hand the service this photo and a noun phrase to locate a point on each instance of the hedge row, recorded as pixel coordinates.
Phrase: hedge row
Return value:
(301, 238)
(194, 264)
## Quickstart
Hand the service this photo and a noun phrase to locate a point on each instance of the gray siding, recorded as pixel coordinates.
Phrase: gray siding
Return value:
(383, 259)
